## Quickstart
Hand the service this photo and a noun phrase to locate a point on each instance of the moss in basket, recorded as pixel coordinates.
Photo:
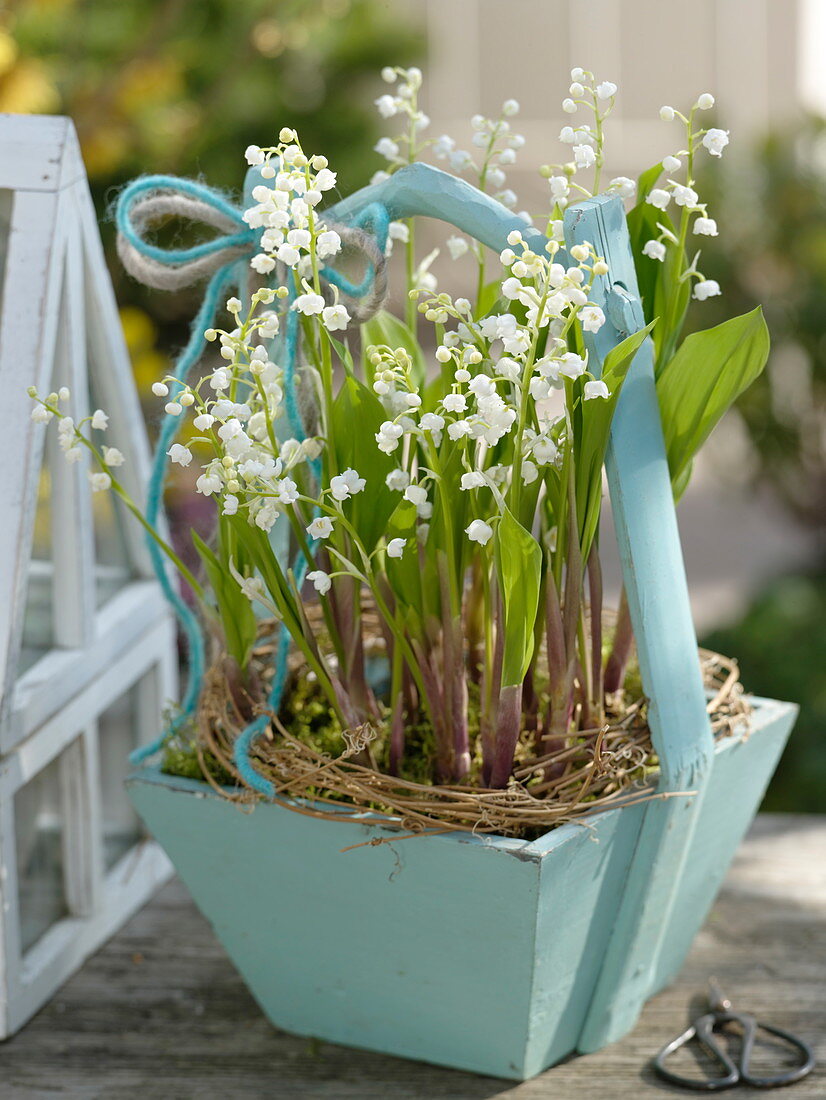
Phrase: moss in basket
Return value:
(307, 715)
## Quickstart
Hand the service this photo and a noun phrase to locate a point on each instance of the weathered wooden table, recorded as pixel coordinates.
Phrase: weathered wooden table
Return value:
(160, 1014)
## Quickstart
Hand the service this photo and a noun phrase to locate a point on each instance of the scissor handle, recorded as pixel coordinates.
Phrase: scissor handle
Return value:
(703, 1031)
(789, 1076)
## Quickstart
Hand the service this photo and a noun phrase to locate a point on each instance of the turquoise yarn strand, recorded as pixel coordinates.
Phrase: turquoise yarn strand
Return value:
(218, 285)
(169, 256)
(230, 275)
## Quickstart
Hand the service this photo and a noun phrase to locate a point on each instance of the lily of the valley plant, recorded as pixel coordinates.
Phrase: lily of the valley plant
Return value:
(452, 476)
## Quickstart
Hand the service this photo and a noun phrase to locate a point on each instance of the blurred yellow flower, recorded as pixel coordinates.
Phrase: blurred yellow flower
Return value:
(149, 81)
(25, 85)
(104, 147)
(148, 363)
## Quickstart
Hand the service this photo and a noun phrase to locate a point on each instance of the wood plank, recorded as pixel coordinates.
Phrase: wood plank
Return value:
(160, 1013)
(40, 153)
(28, 324)
(55, 680)
(72, 526)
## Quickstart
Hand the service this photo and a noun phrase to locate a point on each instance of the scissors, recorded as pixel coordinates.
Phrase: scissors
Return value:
(720, 1017)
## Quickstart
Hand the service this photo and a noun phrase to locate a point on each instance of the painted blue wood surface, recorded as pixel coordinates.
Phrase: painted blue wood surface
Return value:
(419, 190)
(489, 954)
(655, 584)
(477, 953)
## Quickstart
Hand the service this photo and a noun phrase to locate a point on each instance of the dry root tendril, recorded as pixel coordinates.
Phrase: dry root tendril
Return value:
(595, 770)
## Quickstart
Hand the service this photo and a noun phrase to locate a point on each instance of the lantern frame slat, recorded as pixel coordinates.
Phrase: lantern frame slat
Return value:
(62, 672)
(28, 329)
(73, 551)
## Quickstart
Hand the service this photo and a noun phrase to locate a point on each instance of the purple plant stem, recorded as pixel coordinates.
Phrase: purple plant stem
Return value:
(487, 721)
(555, 640)
(436, 709)
(585, 702)
(474, 617)
(455, 684)
(530, 703)
(561, 630)
(563, 701)
(508, 726)
(347, 617)
(621, 649)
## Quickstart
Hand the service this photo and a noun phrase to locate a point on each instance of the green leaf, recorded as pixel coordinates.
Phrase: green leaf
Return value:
(681, 482)
(592, 428)
(357, 416)
(519, 568)
(703, 380)
(619, 358)
(404, 573)
(642, 227)
(488, 298)
(384, 328)
(647, 180)
(237, 616)
(257, 547)
(671, 301)
(661, 295)
(343, 352)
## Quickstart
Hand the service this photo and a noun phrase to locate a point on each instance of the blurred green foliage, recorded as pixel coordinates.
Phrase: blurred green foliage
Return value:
(781, 646)
(771, 204)
(183, 86)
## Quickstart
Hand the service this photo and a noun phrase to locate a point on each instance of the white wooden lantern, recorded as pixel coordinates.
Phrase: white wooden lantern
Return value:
(87, 645)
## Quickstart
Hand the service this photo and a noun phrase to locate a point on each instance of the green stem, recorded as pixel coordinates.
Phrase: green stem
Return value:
(487, 678)
(136, 512)
(584, 657)
(410, 310)
(598, 165)
(381, 604)
(670, 337)
(450, 545)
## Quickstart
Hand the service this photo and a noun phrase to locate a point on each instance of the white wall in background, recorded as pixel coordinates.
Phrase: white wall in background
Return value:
(746, 52)
(812, 59)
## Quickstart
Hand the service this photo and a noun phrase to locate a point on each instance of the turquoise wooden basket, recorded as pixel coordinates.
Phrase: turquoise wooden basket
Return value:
(486, 953)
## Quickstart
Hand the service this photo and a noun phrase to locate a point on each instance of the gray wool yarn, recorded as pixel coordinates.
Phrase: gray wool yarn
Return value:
(157, 206)
(163, 276)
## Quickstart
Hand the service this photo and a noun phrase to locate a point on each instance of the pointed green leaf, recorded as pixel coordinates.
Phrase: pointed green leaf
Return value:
(357, 416)
(519, 568)
(703, 380)
(647, 180)
(642, 227)
(237, 616)
(488, 298)
(592, 428)
(404, 573)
